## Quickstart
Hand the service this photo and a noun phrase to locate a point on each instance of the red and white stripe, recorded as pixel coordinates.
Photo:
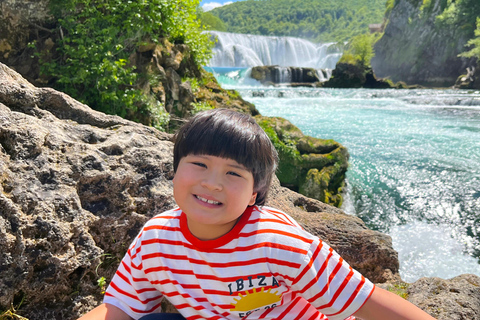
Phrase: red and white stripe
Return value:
(202, 278)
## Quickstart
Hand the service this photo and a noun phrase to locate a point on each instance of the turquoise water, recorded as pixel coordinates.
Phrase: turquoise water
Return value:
(414, 167)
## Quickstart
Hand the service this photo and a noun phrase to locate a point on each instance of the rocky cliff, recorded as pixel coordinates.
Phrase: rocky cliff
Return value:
(416, 49)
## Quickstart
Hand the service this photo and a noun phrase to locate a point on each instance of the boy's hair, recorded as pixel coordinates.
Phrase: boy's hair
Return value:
(229, 134)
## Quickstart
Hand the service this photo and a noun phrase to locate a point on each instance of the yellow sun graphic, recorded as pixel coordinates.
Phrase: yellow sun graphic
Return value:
(257, 299)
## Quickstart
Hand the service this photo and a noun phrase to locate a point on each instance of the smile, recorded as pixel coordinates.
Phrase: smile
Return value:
(207, 201)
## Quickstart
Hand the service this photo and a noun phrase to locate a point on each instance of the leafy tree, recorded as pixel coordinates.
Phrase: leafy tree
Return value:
(474, 43)
(97, 37)
(459, 14)
(359, 50)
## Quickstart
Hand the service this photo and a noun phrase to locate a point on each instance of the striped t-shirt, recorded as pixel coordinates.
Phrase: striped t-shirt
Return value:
(266, 267)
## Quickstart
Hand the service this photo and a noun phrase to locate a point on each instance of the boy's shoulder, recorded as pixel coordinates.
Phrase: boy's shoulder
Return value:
(279, 223)
(273, 214)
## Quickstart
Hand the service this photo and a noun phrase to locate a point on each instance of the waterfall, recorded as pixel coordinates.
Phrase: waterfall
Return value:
(242, 50)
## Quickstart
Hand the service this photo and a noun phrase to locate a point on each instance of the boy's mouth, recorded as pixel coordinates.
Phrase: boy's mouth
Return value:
(208, 201)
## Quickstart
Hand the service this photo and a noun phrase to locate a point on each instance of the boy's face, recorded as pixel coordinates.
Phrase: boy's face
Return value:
(213, 192)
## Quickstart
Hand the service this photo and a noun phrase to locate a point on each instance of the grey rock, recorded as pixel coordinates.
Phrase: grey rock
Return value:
(454, 299)
(76, 185)
(428, 55)
(285, 75)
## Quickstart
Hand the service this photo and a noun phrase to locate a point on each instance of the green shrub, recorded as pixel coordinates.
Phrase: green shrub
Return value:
(359, 50)
(97, 39)
(474, 43)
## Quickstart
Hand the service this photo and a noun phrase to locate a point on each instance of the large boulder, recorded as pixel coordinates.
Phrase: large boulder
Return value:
(469, 80)
(453, 299)
(76, 186)
(346, 75)
(286, 75)
(456, 299)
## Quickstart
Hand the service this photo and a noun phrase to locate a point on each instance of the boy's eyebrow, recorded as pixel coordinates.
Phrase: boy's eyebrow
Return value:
(238, 166)
(233, 165)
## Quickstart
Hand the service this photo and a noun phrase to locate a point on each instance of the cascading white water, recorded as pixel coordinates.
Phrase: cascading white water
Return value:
(242, 50)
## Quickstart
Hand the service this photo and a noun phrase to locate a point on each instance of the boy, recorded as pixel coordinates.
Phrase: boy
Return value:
(221, 255)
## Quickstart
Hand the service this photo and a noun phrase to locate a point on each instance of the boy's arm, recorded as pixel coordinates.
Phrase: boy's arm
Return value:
(383, 304)
(106, 312)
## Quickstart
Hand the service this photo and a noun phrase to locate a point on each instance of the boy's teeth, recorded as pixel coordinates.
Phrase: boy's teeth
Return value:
(208, 201)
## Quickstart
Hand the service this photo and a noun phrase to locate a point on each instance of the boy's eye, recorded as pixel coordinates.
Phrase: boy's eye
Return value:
(233, 174)
(203, 165)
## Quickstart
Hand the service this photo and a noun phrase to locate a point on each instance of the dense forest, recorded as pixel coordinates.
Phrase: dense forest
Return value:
(317, 20)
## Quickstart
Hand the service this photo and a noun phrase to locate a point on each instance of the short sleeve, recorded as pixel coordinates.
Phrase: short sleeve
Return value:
(328, 283)
(130, 289)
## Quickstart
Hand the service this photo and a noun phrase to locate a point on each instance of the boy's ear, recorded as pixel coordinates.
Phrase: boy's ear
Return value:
(253, 199)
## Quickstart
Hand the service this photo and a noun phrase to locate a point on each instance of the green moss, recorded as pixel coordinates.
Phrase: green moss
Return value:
(201, 106)
(314, 167)
(400, 289)
(288, 171)
(233, 94)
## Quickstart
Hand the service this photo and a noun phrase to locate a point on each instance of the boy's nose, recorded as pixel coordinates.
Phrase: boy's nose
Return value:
(212, 182)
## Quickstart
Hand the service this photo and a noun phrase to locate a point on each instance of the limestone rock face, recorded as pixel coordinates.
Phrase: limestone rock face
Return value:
(457, 298)
(415, 50)
(75, 187)
(20, 22)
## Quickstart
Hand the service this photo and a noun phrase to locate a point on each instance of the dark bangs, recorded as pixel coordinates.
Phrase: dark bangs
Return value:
(229, 134)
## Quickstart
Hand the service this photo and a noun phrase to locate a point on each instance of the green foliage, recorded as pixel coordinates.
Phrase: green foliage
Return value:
(194, 83)
(426, 6)
(102, 284)
(359, 51)
(462, 16)
(459, 14)
(400, 289)
(201, 106)
(318, 20)
(474, 43)
(389, 6)
(97, 39)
